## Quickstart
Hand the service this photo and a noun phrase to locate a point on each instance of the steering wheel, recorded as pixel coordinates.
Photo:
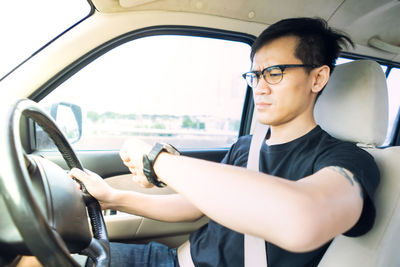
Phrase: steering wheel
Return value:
(47, 211)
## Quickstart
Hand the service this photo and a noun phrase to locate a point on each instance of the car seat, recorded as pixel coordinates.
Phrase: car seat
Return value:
(354, 107)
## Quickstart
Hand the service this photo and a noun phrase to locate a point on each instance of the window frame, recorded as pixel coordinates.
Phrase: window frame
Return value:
(92, 9)
(390, 64)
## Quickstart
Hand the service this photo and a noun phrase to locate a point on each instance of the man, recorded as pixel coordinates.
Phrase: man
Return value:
(311, 187)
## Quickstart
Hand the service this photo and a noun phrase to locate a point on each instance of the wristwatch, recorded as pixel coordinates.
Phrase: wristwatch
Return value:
(149, 159)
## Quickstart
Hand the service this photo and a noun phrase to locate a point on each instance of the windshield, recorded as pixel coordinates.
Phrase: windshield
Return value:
(26, 26)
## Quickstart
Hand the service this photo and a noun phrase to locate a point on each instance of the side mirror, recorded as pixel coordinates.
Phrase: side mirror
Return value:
(69, 119)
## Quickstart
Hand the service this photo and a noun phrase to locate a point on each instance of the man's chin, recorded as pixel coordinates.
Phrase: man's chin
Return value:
(264, 120)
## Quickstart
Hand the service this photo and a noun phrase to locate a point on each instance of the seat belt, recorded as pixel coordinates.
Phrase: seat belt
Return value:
(255, 254)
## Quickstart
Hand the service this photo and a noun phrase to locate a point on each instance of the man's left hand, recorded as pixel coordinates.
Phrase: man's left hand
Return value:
(131, 154)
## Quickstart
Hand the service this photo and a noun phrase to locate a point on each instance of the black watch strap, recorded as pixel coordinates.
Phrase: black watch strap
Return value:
(148, 162)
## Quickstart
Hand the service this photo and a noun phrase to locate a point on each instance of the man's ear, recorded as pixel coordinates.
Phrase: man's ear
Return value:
(320, 78)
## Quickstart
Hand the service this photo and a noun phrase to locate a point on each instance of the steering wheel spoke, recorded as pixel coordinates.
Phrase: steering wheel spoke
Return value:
(97, 251)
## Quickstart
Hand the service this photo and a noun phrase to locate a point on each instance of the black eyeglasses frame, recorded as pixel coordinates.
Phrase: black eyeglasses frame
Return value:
(270, 68)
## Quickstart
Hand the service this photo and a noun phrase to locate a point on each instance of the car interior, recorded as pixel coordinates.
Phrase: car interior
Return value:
(98, 83)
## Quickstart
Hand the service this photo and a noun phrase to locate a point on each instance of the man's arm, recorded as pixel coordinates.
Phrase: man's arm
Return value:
(170, 208)
(167, 208)
(297, 216)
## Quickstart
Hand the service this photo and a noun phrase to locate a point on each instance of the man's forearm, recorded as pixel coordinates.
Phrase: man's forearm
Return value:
(169, 208)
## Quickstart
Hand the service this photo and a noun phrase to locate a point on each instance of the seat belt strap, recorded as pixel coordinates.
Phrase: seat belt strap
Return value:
(255, 254)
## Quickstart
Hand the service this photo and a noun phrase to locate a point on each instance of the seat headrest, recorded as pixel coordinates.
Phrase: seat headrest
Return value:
(354, 104)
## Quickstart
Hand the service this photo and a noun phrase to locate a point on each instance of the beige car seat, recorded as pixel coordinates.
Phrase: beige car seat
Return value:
(354, 107)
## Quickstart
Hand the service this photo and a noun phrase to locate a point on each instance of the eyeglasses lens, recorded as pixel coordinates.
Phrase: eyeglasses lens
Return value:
(252, 79)
(273, 76)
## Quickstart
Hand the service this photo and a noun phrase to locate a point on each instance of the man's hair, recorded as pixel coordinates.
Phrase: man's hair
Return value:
(318, 44)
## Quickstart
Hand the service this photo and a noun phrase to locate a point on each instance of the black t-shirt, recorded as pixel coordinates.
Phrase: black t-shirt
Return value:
(215, 245)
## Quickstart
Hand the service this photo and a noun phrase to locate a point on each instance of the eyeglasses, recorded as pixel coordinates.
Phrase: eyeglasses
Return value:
(272, 74)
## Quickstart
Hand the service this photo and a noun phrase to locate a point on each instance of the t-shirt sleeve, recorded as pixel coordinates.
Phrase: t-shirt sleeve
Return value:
(362, 165)
(239, 152)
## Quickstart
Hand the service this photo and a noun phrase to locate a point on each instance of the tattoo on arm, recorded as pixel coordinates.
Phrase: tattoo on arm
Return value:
(350, 178)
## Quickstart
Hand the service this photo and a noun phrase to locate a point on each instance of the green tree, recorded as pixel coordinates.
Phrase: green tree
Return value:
(93, 116)
(159, 125)
(187, 123)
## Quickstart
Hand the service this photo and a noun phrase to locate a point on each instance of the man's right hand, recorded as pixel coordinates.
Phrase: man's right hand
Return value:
(95, 185)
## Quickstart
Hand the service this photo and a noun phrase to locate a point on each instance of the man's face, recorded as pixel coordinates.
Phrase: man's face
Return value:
(290, 99)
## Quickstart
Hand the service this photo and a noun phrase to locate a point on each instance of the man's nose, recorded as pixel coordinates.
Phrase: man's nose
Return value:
(262, 87)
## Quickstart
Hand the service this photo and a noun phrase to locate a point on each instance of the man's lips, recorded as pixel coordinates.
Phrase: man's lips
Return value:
(263, 105)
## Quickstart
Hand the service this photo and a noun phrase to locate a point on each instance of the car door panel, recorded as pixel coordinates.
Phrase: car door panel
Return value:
(132, 228)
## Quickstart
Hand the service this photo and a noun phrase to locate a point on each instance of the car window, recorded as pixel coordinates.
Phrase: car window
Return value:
(393, 84)
(26, 26)
(184, 90)
(342, 60)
